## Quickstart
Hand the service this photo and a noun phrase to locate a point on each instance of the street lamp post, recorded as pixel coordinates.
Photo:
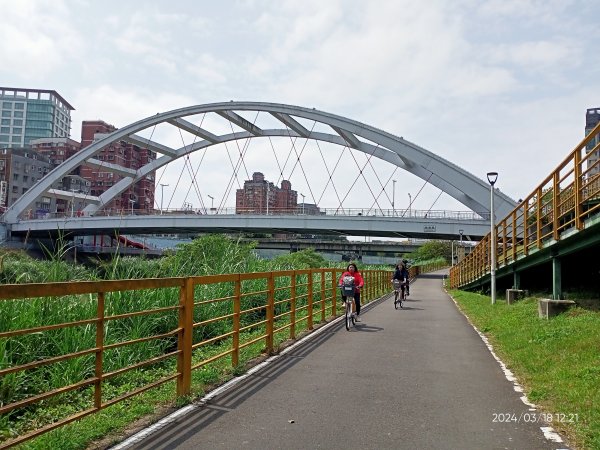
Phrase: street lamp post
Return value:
(212, 199)
(132, 203)
(492, 178)
(409, 203)
(394, 198)
(268, 189)
(302, 203)
(73, 203)
(162, 194)
(460, 233)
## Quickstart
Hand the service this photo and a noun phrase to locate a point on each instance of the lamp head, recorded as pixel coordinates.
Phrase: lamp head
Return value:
(492, 177)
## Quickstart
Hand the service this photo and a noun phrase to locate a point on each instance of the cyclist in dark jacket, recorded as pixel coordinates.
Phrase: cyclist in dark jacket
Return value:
(401, 274)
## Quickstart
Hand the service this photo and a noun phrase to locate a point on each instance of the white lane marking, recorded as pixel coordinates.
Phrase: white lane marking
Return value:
(141, 435)
(549, 432)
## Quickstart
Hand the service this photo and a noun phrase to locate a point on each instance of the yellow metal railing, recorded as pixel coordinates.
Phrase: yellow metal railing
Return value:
(562, 202)
(253, 307)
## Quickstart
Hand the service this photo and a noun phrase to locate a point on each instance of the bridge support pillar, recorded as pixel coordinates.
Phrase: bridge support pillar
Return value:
(516, 279)
(556, 278)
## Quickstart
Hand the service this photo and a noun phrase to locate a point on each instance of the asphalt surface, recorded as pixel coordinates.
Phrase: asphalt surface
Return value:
(418, 378)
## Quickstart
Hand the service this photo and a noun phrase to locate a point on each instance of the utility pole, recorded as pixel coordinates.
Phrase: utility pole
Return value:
(394, 198)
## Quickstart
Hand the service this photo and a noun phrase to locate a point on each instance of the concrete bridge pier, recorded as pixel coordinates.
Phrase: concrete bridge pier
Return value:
(556, 278)
(516, 279)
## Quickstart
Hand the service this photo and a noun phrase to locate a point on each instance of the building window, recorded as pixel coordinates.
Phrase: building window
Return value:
(5, 130)
(7, 105)
(19, 105)
(17, 122)
(15, 176)
(16, 138)
(17, 130)
(3, 138)
(6, 114)
(19, 114)
(5, 122)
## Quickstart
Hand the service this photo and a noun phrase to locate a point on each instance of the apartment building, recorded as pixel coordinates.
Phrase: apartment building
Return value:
(259, 196)
(140, 196)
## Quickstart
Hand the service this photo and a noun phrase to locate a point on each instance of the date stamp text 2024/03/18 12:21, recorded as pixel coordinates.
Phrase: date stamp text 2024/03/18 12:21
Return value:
(535, 417)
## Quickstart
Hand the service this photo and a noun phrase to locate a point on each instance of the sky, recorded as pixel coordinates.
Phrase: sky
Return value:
(498, 85)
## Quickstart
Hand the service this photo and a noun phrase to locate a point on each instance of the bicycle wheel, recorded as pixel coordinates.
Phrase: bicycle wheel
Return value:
(396, 299)
(348, 315)
(402, 298)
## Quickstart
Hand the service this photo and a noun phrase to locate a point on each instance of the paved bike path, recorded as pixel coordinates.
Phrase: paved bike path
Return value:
(420, 377)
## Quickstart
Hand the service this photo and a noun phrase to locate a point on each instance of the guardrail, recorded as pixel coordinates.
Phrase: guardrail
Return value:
(272, 211)
(568, 197)
(99, 327)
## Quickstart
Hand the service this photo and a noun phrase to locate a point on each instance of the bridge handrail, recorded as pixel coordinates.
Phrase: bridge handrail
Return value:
(232, 211)
(562, 203)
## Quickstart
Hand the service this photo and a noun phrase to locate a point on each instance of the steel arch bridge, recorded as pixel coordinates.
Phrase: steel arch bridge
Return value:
(451, 179)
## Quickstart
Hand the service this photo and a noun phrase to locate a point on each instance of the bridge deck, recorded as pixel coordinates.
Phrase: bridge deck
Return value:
(414, 378)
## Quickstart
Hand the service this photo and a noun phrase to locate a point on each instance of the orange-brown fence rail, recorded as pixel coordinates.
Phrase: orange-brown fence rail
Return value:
(61, 342)
(560, 205)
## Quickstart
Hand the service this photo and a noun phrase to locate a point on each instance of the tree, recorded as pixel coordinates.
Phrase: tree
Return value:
(433, 250)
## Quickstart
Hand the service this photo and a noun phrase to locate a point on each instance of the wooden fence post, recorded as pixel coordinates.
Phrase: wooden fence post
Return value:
(184, 341)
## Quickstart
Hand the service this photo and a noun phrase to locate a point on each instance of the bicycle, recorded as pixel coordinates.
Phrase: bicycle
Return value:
(399, 291)
(348, 293)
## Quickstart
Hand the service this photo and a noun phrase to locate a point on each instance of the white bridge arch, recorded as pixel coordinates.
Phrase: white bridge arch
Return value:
(456, 182)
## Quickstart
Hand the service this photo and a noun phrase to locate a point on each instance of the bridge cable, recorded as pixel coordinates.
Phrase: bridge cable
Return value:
(235, 172)
(360, 172)
(413, 199)
(341, 206)
(434, 202)
(330, 180)
(238, 146)
(276, 159)
(236, 166)
(195, 173)
(192, 173)
(298, 159)
(383, 188)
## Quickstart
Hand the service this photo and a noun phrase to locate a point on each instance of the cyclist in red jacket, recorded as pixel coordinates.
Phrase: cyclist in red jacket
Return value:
(352, 271)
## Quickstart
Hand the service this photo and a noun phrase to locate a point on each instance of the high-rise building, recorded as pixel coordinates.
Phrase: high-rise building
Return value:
(258, 193)
(140, 196)
(592, 118)
(28, 114)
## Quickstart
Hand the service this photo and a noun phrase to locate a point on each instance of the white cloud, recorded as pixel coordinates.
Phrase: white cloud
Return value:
(34, 39)
(486, 85)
